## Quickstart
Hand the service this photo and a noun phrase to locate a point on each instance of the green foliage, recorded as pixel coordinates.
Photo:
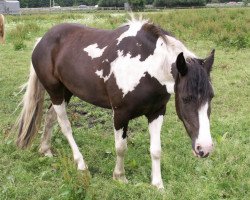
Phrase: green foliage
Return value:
(111, 3)
(173, 3)
(226, 29)
(245, 2)
(137, 4)
(34, 3)
(19, 45)
(149, 2)
(86, 2)
(21, 33)
(76, 183)
(63, 3)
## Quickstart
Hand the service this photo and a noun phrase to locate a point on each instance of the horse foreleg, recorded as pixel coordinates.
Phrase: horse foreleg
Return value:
(121, 147)
(50, 119)
(120, 129)
(155, 151)
(67, 131)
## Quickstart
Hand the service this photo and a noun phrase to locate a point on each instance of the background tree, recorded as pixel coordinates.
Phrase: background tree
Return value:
(183, 3)
(148, 2)
(111, 3)
(137, 4)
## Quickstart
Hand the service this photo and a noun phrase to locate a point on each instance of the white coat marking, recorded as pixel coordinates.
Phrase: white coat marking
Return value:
(155, 150)
(129, 71)
(93, 50)
(121, 147)
(204, 138)
(134, 27)
(100, 74)
(67, 131)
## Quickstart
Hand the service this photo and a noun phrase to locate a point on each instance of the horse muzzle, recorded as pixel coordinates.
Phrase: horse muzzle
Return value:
(202, 151)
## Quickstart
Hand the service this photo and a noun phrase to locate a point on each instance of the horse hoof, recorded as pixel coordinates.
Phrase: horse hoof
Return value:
(159, 186)
(46, 153)
(120, 178)
(82, 166)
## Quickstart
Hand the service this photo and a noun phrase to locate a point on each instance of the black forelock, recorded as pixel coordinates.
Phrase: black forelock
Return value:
(198, 83)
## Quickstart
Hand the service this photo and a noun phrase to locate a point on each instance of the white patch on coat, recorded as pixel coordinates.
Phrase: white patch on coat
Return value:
(155, 150)
(176, 47)
(100, 74)
(121, 147)
(67, 132)
(93, 50)
(204, 138)
(134, 27)
(129, 71)
(106, 60)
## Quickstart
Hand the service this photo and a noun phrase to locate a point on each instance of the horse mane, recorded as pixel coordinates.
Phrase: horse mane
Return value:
(149, 27)
(156, 31)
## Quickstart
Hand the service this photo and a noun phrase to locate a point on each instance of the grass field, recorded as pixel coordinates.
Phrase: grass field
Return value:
(24, 174)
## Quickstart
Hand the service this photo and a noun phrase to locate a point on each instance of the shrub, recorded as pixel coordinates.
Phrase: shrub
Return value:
(137, 4)
(19, 45)
(76, 183)
(173, 3)
(23, 31)
(245, 2)
(111, 3)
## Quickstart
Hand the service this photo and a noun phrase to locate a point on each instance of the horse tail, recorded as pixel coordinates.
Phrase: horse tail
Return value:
(30, 118)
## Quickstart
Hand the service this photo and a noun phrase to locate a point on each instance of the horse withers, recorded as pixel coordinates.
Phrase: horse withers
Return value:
(132, 70)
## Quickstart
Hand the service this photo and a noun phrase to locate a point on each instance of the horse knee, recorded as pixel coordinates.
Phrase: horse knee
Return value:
(155, 153)
(121, 149)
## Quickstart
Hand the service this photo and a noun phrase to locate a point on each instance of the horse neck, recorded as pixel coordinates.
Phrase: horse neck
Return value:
(173, 48)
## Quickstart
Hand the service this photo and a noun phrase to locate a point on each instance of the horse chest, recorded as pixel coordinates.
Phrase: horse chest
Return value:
(148, 96)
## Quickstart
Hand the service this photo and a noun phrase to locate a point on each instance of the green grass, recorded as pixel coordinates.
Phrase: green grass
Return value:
(24, 174)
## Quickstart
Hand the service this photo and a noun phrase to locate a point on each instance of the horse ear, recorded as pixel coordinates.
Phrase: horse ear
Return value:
(209, 61)
(181, 64)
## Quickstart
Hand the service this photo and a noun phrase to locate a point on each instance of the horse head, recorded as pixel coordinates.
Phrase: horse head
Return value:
(193, 97)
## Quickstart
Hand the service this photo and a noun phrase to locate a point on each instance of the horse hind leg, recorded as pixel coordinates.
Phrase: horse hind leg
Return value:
(50, 119)
(64, 123)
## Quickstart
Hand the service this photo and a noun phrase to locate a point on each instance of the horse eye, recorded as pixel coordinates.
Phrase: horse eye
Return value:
(211, 96)
(187, 99)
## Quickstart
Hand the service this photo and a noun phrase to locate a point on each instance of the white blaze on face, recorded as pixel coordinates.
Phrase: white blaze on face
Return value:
(204, 138)
(93, 50)
(134, 27)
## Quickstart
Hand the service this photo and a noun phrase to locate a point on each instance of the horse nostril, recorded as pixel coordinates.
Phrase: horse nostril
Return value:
(198, 148)
(201, 153)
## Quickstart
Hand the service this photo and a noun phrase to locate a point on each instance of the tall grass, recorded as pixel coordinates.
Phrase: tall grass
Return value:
(21, 33)
(228, 28)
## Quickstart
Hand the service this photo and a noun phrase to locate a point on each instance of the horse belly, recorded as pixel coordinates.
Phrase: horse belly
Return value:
(82, 81)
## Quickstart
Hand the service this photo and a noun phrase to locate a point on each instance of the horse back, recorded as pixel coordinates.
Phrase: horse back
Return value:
(82, 59)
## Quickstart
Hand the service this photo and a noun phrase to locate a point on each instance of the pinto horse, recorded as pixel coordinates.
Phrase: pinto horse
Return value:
(2, 36)
(132, 70)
